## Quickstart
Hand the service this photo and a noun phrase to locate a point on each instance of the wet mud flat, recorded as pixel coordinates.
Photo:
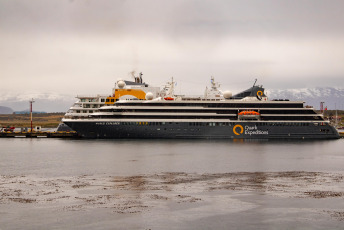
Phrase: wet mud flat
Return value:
(172, 200)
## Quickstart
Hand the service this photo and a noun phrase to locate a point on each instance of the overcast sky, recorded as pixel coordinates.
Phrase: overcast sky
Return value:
(82, 47)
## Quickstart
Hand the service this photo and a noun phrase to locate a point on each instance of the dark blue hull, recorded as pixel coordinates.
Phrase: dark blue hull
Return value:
(204, 130)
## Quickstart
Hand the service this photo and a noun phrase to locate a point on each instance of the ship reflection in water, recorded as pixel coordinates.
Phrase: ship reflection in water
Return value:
(171, 184)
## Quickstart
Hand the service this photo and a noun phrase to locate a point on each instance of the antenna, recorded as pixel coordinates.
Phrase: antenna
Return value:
(255, 82)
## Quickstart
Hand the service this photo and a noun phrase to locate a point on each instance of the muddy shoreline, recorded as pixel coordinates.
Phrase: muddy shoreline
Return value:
(143, 193)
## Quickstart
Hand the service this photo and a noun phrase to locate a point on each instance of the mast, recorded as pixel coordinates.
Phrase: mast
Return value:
(32, 101)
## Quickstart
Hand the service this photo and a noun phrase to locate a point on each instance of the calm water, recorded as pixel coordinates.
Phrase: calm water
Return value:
(58, 157)
(85, 161)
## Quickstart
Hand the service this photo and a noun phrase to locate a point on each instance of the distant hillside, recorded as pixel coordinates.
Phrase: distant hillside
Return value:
(49, 102)
(5, 110)
(333, 97)
(27, 112)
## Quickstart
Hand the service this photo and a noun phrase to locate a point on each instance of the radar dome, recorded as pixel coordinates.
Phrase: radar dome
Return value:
(149, 96)
(121, 84)
(227, 94)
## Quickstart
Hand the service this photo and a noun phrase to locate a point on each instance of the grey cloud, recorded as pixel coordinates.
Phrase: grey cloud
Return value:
(176, 18)
(57, 41)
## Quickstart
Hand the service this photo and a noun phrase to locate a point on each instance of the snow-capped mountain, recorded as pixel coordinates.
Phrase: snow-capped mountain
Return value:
(333, 97)
(54, 102)
(48, 102)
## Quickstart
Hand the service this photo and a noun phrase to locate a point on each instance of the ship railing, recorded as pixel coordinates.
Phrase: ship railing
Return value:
(92, 96)
(198, 98)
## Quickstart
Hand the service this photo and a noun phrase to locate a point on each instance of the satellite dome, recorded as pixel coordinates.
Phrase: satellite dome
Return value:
(149, 96)
(227, 94)
(121, 84)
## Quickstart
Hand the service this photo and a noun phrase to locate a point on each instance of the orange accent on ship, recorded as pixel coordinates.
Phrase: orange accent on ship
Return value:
(139, 94)
(248, 113)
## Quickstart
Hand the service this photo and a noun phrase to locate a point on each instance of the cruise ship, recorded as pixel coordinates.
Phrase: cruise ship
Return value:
(136, 110)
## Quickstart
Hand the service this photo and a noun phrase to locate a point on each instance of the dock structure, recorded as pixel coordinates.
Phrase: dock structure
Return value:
(47, 134)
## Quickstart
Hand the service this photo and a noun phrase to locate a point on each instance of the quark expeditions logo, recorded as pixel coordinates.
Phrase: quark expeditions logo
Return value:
(259, 95)
(249, 130)
(238, 127)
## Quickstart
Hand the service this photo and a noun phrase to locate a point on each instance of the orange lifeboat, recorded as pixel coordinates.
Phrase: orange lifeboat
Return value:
(248, 115)
(245, 112)
(169, 98)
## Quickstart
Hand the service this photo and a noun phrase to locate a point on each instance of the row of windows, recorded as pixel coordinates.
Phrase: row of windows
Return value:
(171, 111)
(289, 118)
(90, 106)
(220, 112)
(217, 123)
(84, 111)
(229, 111)
(89, 100)
(160, 117)
(221, 105)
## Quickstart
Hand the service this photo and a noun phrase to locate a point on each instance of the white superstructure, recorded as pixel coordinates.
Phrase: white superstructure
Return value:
(85, 105)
